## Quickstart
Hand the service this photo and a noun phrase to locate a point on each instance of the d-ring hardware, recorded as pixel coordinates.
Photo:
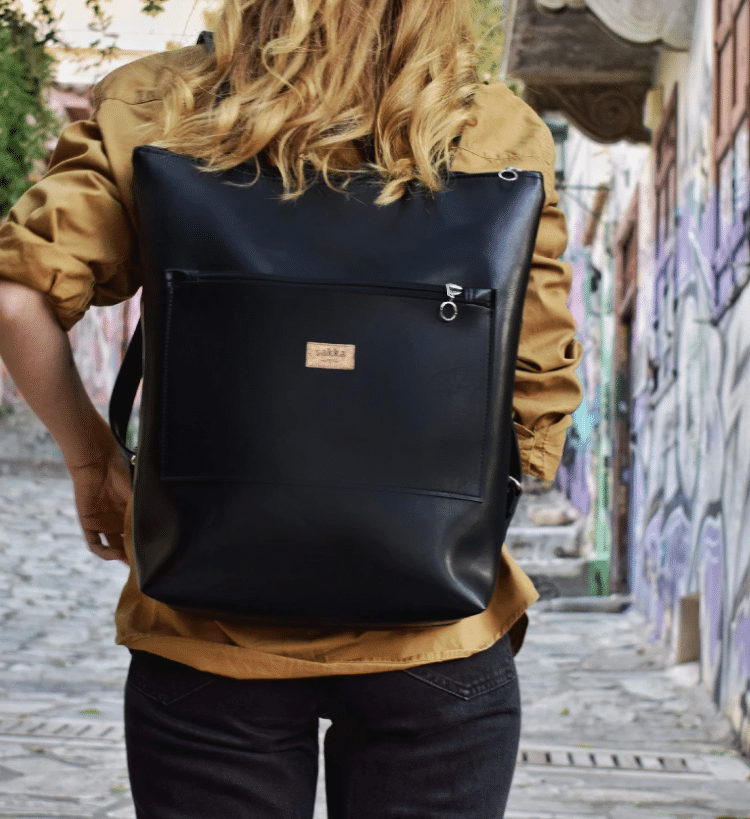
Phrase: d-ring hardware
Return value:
(509, 174)
(449, 309)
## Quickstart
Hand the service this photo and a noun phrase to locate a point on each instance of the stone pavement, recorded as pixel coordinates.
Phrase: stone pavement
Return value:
(608, 732)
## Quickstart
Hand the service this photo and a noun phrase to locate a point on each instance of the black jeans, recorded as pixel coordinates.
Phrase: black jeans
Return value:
(438, 740)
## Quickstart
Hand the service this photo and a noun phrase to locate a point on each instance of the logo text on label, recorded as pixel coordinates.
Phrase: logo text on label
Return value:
(329, 356)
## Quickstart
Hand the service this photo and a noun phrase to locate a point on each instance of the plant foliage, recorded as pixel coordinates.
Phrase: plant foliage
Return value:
(26, 124)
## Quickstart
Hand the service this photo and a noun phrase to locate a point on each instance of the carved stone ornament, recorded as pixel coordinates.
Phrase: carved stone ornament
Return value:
(639, 21)
(603, 113)
(572, 62)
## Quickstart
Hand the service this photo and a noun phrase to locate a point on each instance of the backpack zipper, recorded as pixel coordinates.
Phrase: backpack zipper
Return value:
(448, 309)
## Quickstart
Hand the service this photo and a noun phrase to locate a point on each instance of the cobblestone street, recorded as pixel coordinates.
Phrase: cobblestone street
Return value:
(608, 731)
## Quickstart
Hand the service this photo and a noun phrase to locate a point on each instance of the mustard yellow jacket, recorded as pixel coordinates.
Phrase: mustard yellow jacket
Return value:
(72, 237)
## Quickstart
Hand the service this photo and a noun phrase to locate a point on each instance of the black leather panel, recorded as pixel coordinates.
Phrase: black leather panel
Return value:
(326, 555)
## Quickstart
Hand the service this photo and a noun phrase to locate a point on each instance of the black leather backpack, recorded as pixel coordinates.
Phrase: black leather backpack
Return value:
(326, 431)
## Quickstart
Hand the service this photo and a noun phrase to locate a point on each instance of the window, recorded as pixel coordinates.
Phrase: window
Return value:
(666, 175)
(732, 146)
(665, 153)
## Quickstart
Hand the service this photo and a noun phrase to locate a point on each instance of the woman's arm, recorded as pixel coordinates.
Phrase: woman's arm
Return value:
(66, 244)
(37, 353)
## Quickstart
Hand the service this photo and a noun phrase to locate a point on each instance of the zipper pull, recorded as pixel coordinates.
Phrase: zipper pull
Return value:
(509, 174)
(449, 309)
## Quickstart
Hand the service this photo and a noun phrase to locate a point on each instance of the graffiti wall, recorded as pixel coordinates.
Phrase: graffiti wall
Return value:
(689, 518)
(692, 485)
(582, 441)
(691, 481)
(576, 476)
(585, 472)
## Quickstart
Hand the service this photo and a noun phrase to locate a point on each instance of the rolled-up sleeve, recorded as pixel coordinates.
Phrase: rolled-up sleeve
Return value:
(547, 389)
(70, 236)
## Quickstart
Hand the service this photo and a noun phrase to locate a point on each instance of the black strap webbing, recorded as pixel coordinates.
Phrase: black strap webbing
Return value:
(126, 386)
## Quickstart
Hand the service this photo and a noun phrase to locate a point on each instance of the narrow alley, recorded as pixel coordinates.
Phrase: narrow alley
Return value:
(635, 673)
(609, 730)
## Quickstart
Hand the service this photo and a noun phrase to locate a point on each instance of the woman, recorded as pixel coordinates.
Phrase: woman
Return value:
(222, 718)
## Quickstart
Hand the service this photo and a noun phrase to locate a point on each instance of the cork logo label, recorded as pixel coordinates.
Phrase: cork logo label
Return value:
(330, 356)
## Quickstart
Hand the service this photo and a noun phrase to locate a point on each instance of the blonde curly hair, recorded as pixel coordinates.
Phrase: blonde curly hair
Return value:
(306, 84)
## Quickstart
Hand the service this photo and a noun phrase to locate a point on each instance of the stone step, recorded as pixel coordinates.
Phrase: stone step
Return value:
(545, 542)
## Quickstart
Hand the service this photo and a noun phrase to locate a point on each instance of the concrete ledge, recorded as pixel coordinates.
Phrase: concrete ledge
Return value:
(528, 532)
(553, 566)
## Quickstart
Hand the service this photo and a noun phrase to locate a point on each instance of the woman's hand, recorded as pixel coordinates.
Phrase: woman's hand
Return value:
(102, 490)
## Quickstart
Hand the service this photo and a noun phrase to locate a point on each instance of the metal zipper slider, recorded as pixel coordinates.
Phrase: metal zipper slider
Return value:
(509, 174)
(449, 309)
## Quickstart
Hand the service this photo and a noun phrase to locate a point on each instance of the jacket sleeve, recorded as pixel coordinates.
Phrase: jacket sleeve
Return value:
(507, 132)
(547, 390)
(69, 236)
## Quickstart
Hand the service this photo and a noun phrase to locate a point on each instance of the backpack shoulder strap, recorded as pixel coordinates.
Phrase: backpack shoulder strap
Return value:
(125, 389)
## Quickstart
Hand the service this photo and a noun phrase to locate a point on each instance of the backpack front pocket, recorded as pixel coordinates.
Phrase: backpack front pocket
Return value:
(334, 384)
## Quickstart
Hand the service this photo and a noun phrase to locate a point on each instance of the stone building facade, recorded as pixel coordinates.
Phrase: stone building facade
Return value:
(659, 242)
